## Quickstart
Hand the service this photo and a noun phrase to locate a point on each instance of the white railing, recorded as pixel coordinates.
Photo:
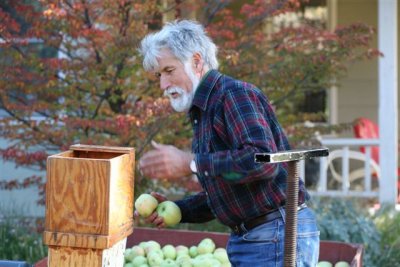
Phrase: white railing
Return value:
(346, 171)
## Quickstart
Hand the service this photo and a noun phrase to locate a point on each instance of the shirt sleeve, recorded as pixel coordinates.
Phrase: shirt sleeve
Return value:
(195, 209)
(246, 123)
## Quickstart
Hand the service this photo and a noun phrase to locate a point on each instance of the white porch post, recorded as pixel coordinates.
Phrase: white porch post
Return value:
(388, 113)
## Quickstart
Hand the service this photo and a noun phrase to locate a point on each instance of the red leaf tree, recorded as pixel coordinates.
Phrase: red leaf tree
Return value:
(71, 72)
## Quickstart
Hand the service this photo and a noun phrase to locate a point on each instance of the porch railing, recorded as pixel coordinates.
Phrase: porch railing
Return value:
(346, 171)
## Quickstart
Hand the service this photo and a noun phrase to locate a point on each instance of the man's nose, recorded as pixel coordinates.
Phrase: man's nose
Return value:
(164, 82)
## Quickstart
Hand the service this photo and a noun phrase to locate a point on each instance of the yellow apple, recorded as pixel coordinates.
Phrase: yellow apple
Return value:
(170, 212)
(342, 264)
(145, 204)
(206, 245)
(324, 264)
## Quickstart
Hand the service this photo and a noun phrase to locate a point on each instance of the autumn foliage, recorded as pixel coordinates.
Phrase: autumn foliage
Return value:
(71, 73)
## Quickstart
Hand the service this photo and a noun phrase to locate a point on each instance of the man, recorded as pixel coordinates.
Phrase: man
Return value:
(232, 120)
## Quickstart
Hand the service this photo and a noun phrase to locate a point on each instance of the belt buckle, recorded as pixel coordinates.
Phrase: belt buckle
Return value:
(236, 229)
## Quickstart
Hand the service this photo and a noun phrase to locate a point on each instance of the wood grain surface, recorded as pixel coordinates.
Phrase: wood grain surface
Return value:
(89, 197)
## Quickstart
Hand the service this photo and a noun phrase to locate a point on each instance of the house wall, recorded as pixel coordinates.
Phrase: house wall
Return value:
(22, 202)
(358, 92)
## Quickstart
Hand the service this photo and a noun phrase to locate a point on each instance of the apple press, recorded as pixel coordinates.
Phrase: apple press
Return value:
(292, 157)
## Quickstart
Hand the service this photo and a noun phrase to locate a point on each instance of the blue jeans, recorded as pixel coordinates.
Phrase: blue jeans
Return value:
(263, 246)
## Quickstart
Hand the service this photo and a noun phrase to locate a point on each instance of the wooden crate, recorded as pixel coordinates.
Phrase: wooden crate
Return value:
(332, 251)
(89, 203)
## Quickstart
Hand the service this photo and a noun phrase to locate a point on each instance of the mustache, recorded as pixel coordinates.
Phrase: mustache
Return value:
(173, 90)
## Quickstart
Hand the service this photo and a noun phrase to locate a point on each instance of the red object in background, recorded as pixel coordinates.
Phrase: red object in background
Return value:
(367, 129)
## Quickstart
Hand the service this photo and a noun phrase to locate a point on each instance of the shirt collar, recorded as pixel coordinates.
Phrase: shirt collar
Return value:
(205, 88)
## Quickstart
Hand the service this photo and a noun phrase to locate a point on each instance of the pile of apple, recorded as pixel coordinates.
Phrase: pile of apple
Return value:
(330, 264)
(151, 254)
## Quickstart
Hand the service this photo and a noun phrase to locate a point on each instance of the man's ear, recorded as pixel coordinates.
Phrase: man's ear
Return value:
(197, 61)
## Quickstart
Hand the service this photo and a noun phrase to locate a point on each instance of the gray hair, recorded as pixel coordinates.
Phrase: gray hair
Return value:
(183, 38)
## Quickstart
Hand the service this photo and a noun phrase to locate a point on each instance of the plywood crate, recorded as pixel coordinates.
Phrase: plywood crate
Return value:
(89, 204)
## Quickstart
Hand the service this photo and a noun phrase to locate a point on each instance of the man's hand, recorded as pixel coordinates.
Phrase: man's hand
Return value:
(165, 161)
(154, 218)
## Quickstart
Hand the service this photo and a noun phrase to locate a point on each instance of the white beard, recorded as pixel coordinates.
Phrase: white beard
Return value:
(185, 99)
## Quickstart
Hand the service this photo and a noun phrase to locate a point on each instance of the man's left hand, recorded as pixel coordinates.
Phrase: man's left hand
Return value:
(165, 161)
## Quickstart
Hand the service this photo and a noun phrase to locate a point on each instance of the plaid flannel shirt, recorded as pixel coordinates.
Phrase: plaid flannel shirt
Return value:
(232, 120)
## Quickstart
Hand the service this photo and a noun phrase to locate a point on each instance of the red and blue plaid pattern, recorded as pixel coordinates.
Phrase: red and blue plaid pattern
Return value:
(232, 120)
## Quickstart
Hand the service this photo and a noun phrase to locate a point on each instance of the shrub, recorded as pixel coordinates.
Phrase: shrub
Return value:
(20, 239)
(387, 221)
(348, 221)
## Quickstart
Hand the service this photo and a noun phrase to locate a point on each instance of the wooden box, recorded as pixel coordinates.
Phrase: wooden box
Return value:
(89, 198)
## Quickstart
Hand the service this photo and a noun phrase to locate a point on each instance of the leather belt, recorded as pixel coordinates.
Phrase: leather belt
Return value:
(239, 229)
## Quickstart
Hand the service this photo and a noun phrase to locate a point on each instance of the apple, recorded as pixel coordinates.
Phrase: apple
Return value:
(181, 259)
(342, 264)
(193, 251)
(169, 263)
(186, 264)
(170, 212)
(215, 263)
(142, 244)
(169, 251)
(324, 264)
(221, 255)
(206, 245)
(155, 258)
(145, 204)
(128, 256)
(181, 250)
(205, 260)
(226, 264)
(128, 264)
(131, 253)
(150, 246)
(139, 260)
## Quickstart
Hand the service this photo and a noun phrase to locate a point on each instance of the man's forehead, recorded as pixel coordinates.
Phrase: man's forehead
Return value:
(167, 59)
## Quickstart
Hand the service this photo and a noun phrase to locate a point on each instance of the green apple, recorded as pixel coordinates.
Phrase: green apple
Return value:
(186, 264)
(206, 245)
(181, 250)
(226, 264)
(144, 265)
(131, 253)
(154, 258)
(145, 204)
(128, 255)
(129, 264)
(142, 244)
(205, 260)
(342, 264)
(169, 252)
(193, 251)
(324, 264)
(138, 250)
(139, 260)
(150, 246)
(221, 255)
(170, 212)
(169, 263)
(215, 263)
(183, 259)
